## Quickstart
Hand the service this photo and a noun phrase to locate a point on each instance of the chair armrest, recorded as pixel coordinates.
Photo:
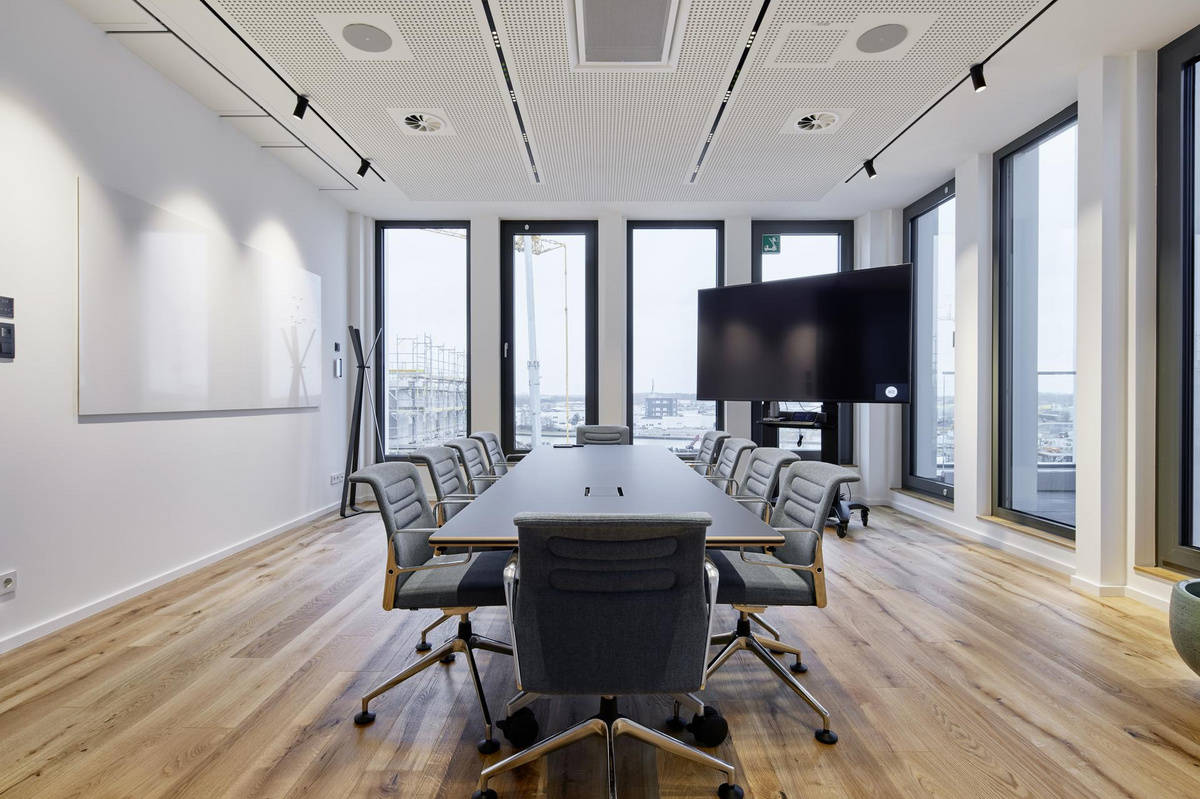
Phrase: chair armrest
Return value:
(766, 506)
(439, 507)
(486, 478)
(728, 481)
(515, 458)
(816, 568)
(427, 565)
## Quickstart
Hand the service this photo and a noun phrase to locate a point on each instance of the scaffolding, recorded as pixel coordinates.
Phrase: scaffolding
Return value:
(426, 392)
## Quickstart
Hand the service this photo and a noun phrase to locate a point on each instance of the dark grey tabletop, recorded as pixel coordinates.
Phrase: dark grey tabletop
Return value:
(601, 479)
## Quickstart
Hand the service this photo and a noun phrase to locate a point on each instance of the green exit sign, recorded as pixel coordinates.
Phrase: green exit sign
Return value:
(770, 244)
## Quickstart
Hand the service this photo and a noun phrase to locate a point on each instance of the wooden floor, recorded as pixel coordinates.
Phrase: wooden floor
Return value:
(951, 670)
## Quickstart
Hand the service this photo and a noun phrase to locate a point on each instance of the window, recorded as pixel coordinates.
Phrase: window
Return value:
(422, 354)
(548, 288)
(1178, 422)
(786, 249)
(668, 263)
(1037, 240)
(929, 421)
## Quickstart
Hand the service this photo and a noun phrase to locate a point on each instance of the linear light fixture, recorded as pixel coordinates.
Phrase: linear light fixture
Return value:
(512, 92)
(975, 75)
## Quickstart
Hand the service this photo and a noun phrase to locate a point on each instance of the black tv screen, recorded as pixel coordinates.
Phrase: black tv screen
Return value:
(844, 337)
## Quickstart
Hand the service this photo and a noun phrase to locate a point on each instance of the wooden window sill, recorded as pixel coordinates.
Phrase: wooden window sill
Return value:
(1065, 543)
(1158, 572)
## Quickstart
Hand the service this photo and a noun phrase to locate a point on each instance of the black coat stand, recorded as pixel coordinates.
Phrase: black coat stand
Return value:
(362, 364)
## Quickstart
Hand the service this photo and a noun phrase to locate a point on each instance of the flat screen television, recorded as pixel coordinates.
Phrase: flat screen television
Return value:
(844, 337)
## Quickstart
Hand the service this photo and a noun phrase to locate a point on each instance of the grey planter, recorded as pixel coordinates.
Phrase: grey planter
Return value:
(1185, 621)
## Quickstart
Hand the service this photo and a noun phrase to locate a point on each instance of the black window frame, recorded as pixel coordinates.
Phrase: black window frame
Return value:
(538, 227)
(660, 224)
(380, 357)
(841, 449)
(1177, 66)
(1002, 398)
(922, 485)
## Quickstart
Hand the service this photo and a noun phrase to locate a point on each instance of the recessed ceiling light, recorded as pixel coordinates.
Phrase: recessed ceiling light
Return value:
(882, 38)
(366, 37)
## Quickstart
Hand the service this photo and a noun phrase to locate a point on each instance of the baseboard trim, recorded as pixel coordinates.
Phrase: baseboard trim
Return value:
(44, 628)
(1147, 598)
(1085, 586)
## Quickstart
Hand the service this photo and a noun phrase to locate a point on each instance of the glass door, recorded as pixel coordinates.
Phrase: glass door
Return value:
(548, 324)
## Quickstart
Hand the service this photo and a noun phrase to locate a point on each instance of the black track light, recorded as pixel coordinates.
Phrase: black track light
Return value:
(869, 168)
(363, 167)
(977, 79)
(301, 106)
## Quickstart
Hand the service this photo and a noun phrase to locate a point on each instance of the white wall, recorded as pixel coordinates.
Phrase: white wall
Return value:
(91, 512)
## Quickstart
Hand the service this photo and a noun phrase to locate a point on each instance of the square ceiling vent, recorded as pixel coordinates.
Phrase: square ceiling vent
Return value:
(625, 35)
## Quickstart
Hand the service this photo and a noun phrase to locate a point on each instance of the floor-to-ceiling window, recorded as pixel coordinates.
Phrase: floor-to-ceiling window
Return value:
(1178, 390)
(668, 263)
(548, 347)
(1037, 241)
(787, 249)
(929, 421)
(421, 347)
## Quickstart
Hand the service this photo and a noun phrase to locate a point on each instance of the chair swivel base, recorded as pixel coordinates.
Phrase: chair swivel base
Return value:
(610, 725)
(743, 638)
(464, 641)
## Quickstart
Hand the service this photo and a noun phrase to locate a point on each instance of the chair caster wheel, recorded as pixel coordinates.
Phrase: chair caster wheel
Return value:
(711, 729)
(424, 646)
(799, 668)
(727, 791)
(841, 531)
(826, 736)
(363, 718)
(488, 794)
(520, 729)
(487, 745)
(448, 659)
(864, 517)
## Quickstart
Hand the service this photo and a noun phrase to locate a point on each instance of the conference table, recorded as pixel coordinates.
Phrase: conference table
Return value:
(638, 479)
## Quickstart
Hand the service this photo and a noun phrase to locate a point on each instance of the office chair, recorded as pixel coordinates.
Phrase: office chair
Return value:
(761, 479)
(792, 575)
(602, 434)
(710, 447)
(418, 580)
(453, 493)
(610, 605)
(499, 462)
(726, 465)
(474, 460)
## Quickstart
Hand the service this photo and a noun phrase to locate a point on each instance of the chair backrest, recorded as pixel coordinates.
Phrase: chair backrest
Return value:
(402, 505)
(473, 457)
(806, 496)
(731, 454)
(611, 604)
(443, 466)
(763, 470)
(495, 453)
(602, 434)
(710, 445)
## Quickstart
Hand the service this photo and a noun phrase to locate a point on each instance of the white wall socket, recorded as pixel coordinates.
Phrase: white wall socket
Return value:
(8, 583)
(336, 478)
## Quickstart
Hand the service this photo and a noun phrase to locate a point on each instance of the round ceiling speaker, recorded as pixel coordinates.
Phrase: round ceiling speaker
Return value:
(812, 123)
(882, 38)
(423, 123)
(367, 38)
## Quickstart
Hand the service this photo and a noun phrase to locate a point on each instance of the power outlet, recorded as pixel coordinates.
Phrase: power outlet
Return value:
(8, 583)
(336, 478)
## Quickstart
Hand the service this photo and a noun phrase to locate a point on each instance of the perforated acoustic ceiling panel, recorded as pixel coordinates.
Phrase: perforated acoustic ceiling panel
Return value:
(620, 135)
(452, 68)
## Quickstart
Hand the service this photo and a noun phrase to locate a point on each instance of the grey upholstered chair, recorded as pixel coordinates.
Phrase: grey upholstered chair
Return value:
(726, 466)
(761, 480)
(602, 434)
(499, 462)
(475, 462)
(416, 579)
(793, 574)
(710, 446)
(449, 483)
(610, 605)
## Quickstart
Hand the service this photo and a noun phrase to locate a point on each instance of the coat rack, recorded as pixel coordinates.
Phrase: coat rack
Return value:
(362, 363)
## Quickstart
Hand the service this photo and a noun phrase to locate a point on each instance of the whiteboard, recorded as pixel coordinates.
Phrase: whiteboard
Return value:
(178, 317)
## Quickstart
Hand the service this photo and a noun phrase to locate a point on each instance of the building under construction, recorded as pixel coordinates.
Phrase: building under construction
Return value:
(426, 393)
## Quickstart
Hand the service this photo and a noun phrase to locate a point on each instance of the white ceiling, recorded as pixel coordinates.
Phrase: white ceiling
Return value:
(602, 138)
